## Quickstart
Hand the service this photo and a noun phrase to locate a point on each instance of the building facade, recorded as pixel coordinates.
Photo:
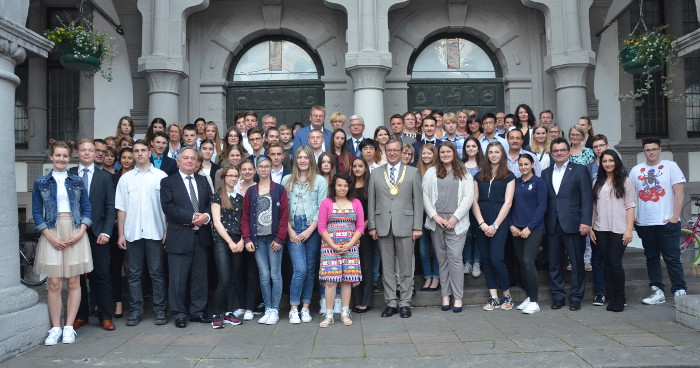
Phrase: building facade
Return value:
(183, 59)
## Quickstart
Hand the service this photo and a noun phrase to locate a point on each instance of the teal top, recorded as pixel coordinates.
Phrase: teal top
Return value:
(303, 199)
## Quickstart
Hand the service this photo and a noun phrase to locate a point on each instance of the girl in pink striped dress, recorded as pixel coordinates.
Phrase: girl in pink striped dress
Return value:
(340, 223)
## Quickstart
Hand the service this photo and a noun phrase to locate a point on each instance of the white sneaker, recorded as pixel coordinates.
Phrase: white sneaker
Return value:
(322, 305)
(531, 308)
(238, 313)
(294, 316)
(263, 319)
(248, 315)
(524, 304)
(656, 297)
(274, 317)
(337, 305)
(54, 335)
(476, 269)
(679, 292)
(467, 268)
(305, 315)
(68, 335)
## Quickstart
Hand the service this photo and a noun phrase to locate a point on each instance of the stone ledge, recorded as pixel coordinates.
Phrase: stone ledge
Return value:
(23, 330)
(688, 311)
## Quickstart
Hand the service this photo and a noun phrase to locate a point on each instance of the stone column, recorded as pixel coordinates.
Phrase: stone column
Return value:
(368, 59)
(569, 54)
(368, 94)
(24, 322)
(163, 52)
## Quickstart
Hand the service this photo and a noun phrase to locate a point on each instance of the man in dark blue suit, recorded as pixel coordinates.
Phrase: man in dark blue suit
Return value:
(357, 129)
(567, 221)
(184, 197)
(101, 192)
(158, 157)
(317, 117)
(429, 124)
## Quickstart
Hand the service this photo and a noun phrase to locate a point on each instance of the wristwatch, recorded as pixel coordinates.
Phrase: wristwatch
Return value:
(495, 226)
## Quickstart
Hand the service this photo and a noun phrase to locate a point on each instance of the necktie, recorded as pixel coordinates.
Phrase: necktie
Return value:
(193, 196)
(85, 178)
(357, 144)
(392, 177)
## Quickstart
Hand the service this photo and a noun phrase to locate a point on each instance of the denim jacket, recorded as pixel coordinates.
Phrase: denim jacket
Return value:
(45, 208)
(310, 199)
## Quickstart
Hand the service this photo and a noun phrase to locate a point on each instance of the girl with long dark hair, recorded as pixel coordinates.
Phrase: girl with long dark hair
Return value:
(343, 157)
(526, 121)
(614, 200)
(363, 292)
(472, 156)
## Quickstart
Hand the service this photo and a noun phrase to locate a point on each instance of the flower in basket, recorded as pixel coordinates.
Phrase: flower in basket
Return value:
(646, 54)
(83, 49)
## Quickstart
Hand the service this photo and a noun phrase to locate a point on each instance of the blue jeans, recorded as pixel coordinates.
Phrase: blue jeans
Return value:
(305, 262)
(471, 245)
(658, 241)
(426, 251)
(270, 269)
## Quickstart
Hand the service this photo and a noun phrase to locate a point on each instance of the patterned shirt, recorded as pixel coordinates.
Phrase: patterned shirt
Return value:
(231, 219)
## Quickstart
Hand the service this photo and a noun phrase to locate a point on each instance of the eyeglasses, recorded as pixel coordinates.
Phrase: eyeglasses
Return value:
(563, 150)
(392, 150)
(599, 146)
(264, 167)
(651, 150)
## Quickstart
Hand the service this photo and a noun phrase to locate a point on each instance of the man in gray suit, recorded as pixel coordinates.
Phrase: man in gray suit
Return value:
(396, 219)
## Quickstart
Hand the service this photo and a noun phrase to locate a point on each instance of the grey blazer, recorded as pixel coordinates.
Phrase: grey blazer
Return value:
(402, 213)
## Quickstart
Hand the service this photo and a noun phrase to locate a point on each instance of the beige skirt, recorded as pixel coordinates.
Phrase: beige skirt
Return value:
(71, 261)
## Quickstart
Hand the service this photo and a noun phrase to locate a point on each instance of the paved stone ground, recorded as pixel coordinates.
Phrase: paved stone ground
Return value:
(640, 336)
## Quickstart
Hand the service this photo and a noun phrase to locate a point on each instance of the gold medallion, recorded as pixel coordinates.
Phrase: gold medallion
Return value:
(394, 191)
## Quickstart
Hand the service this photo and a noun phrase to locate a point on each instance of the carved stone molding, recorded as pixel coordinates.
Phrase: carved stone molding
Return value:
(164, 81)
(368, 76)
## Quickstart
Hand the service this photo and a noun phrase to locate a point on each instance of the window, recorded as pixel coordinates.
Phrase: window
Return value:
(453, 58)
(692, 95)
(21, 101)
(63, 88)
(651, 116)
(690, 17)
(275, 60)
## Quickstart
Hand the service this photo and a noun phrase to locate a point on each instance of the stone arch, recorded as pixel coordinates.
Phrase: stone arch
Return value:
(506, 34)
(236, 31)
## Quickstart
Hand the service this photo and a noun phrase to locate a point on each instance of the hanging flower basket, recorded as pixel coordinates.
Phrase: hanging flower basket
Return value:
(644, 55)
(77, 61)
(632, 62)
(82, 49)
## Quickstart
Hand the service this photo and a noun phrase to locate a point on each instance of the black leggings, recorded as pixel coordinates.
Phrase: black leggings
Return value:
(612, 250)
(526, 251)
(362, 293)
(116, 262)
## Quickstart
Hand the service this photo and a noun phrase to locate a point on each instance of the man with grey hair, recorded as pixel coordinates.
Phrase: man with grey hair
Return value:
(395, 216)
(268, 121)
(357, 128)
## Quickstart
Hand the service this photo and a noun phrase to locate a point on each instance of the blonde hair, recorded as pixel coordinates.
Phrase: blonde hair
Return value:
(296, 173)
(536, 147)
(338, 116)
(217, 138)
(422, 166)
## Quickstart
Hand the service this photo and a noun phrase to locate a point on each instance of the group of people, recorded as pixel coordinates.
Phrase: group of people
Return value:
(188, 209)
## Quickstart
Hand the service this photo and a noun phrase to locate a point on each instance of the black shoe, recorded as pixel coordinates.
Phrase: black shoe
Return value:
(435, 288)
(557, 304)
(181, 322)
(161, 319)
(133, 321)
(575, 306)
(445, 308)
(201, 319)
(363, 310)
(389, 311)
(405, 312)
(599, 300)
(375, 287)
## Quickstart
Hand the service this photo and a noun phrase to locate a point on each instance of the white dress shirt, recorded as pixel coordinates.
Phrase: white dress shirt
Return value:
(558, 175)
(397, 173)
(91, 171)
(138, 194)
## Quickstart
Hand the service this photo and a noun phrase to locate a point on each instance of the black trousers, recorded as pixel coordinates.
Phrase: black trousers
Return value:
(562, 244)
(116, 263)
(100, 283)
(362, 293)
(190, 267)
(611, 249)
(526, 252)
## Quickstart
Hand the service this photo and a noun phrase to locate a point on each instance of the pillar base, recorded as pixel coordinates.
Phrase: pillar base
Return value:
(24, 321)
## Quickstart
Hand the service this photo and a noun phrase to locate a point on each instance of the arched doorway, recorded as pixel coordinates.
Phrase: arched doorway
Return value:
(277, 76)
(454, 72)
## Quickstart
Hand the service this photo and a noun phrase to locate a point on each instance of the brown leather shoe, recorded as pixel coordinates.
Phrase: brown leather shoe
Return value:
(79, 323)
(107, 325)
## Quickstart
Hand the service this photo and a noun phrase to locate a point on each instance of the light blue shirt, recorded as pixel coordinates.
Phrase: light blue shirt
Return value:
(496, 138)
